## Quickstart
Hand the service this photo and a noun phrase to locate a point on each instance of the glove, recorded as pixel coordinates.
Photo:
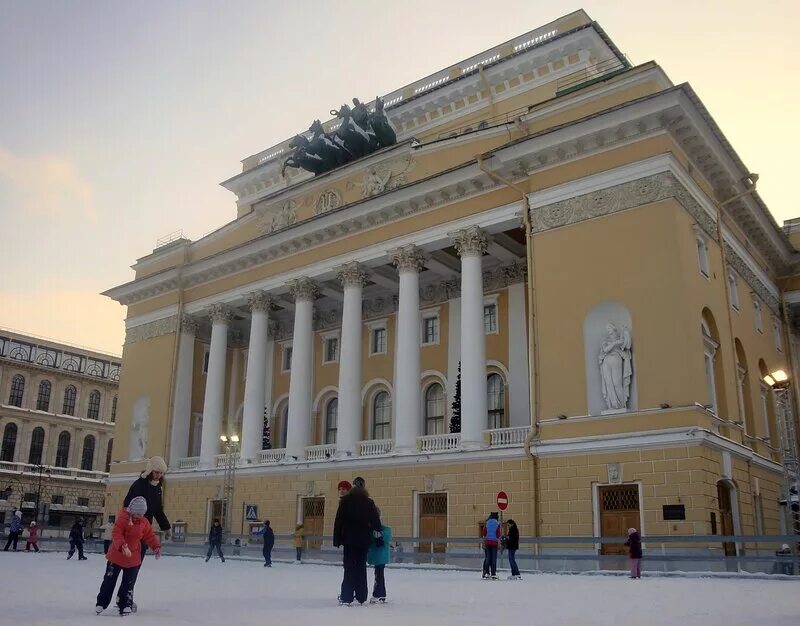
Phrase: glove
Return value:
(378, 535)
(157, 553)
(126, 550)
(166, 535)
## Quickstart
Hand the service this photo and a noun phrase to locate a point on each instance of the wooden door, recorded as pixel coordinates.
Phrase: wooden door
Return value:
(433, 520)
(313, 520)
(218, 511)
(619, 511)
(726, 517)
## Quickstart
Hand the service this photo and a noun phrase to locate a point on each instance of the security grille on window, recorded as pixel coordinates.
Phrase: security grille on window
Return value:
(433, 504)
(331, 349)
(43, 398)
(69, 400)
(431, 330)
(489, 318)
(93, 410)
(623, 498)
(378, 341)
(17, 390)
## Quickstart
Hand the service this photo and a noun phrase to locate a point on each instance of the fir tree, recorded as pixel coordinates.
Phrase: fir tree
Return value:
(455, 418)
(266, 444)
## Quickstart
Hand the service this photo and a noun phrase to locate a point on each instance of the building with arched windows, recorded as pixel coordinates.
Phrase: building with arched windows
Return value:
(58, 404)
(567, 239)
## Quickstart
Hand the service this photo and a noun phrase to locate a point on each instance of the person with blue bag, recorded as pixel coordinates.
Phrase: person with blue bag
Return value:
(378, 556)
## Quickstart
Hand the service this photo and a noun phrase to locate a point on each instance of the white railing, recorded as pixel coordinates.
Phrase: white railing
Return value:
(272, 456)
(320, 453)
(375, 447)
(439, 443)
(32, 470)
(506, 437)
(189, 462)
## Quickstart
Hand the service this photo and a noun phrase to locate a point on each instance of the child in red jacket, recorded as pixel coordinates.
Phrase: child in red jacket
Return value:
(124, 555)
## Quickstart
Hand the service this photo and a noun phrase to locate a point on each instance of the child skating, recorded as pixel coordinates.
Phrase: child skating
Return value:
(125, 555)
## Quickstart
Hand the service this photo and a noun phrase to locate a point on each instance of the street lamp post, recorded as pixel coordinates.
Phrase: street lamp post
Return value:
(231, 460)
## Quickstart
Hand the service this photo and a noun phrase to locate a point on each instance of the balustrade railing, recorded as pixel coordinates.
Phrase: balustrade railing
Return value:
(320, 453)
(376, 447)
(507, 437)
(189, 462)
(28, 468)
(439, 443)
(268, 457)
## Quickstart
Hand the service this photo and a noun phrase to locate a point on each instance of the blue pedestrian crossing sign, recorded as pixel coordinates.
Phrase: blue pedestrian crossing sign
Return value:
(251, 512)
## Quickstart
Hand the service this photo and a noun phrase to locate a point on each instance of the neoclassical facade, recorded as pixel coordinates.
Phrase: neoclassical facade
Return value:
(58, 404)
(563, 246)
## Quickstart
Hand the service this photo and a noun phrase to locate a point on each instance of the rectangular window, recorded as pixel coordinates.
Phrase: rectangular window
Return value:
(57, 499)
(286, 363)
(331, 349)
(430, 330)
(29, 497)
(757, 315)
(764, 413)
(733, 290)
(776, 334)
(83, 501)
(378, 342)
(702, 255)
(489, 318)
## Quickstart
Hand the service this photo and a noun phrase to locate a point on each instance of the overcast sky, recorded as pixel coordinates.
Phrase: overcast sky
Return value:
(119, 119)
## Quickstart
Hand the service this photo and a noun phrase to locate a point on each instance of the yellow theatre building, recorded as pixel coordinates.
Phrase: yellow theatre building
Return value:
(568, 239)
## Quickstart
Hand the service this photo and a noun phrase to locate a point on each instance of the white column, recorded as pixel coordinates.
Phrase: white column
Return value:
(453, 346)
(253, 421)
(182, 404)
(406, 403)
(471, 244)
(214, 402)
(519, 377)
(349, 412)
(298, 433)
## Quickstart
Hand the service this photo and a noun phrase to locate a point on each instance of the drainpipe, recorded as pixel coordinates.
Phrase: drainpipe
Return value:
(533, 356)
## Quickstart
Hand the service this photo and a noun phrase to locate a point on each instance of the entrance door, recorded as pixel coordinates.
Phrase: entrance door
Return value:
(217, 510)
(619, 511)
(313, 520)
(433, 520)
(726, 517)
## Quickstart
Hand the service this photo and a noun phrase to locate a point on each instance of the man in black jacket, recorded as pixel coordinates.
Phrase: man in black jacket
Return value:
(76, 540)
(269, 543)
(512, 545)
(357, 522)
(215, 540)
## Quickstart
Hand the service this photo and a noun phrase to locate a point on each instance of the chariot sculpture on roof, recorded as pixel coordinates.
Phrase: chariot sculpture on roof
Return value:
(360, 132)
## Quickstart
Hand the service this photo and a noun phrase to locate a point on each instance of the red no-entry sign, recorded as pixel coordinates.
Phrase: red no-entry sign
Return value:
(502, 501)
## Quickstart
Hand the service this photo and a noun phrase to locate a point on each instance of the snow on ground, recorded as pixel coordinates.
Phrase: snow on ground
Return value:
(45, 589)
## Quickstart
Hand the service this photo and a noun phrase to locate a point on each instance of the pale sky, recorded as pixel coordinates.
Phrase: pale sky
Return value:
(118, 120)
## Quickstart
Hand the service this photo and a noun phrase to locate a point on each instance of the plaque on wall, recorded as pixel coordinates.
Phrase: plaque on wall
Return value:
(674, 512)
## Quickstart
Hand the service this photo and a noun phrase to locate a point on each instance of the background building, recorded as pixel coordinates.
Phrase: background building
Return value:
(58, 405)
(574, 235)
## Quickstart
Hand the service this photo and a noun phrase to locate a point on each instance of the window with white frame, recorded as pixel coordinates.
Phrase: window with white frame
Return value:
(709, 351)
(741, 377)
(286, 358)
(378, 340)
(331, 420)
(764, 411)
(430, 329)
(702, 251)
(206, 356)
(331, 349)
(733, 290)
(434, 410)
(757, 314)
(490, 318)
(496, 401)
(381, 416)
(776, 334)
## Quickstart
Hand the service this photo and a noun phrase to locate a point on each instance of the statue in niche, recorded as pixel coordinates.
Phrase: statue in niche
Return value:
(616, 369)
(139, 421)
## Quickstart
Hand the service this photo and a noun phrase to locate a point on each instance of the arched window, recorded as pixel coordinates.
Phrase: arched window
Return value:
(43, 397)
(710, 346)
(496, 401)
(331, 420)
(743, 389)
(62, 452)
(434, 409)
(108, 454)
(381, 416)
(93, 408)
(87, 458)
(9, 442)
(37, 446)
(69, 400)
(114, 409)
(17, 390)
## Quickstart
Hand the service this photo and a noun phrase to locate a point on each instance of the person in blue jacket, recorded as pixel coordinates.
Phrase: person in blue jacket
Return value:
(269, 542)
(378, 556)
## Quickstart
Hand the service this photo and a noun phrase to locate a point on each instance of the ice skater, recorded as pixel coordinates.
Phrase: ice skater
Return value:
(269, 543)
(491, 540)
(634, 544)
(14, 530)
(215, 541)
(76, 540)
(512, 545)
(299, 541)
(378, 557)
(108, 529)
(125, 555)
(33, 538)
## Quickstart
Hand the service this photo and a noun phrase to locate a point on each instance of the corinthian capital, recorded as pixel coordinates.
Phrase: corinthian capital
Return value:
(303, 289)
(220, 313)
(470, 241)
(189, 325)
(259, 301)
(351, 274)
(408, 259)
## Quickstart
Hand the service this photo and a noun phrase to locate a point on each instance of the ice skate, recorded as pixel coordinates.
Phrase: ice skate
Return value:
(98, 609)
(125, 611)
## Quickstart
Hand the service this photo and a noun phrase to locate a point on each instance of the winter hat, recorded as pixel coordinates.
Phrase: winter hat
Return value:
(359, 482)
(138, 506)
(33, 524)
(154, 464)
(18, 513)
(344, 484)
(631, 531)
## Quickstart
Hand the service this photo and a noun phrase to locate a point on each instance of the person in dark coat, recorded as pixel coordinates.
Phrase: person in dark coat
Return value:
(357, 524)
(76, 540)
(269, 543)
(14, 530)
(215, 541)
(634, 544)
(512, 545)
(149, 486)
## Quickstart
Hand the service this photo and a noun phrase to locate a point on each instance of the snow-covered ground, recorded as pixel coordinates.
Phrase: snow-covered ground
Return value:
(45, 589)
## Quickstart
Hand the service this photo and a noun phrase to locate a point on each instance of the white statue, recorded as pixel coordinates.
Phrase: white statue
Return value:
(139, 420)
(615, 367)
